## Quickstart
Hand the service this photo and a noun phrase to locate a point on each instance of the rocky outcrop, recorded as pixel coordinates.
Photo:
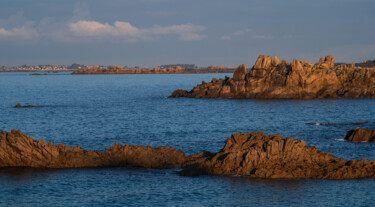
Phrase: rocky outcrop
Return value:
(20, 150)
(24, 106)
(271, 156)
(253, 154)
(360, 135)
(270, 79)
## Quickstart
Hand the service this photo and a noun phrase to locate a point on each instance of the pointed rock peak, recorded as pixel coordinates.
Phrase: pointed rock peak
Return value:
(276, 61)
(296, 65)
(240, 73)
(263, 62)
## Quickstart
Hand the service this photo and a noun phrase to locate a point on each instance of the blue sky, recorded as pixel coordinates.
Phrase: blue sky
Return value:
(149, 33)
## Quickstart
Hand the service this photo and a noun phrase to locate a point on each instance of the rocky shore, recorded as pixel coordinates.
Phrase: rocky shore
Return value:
(170, 70)
(274, 79)
(253, 154)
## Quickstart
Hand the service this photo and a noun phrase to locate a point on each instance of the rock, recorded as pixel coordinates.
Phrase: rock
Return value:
(263, 62)
(271, 156)
(330, 60)
(253, 154)
(296, 65)
(20, 150)
(276, 61)
(179, 93)
(240, 73)
(360, 135)
(298, 80)
(25, 106)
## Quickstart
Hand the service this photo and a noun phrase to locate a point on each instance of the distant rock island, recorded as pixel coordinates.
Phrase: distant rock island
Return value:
(274, 79)
(169, 70)
(23, 106)
(254, 154)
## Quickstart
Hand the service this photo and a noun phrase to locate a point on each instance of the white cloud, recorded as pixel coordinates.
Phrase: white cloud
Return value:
(21, 32)
(186, 32)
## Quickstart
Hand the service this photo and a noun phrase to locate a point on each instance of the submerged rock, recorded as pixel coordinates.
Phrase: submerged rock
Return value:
(25, 106)
(271, 156)
(360, 135)
(20, 150)
(270, 79)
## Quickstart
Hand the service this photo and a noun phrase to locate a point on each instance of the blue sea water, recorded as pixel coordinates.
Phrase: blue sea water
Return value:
(96, 111)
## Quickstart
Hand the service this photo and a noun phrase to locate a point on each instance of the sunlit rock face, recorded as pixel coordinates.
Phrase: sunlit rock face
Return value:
(272, 79)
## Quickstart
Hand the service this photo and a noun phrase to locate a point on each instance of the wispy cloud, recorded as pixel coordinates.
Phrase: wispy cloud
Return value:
(20, 32)
(187, 32)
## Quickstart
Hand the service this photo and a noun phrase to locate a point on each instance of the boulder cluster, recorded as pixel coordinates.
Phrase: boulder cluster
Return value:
(274, 79)
(253, 154)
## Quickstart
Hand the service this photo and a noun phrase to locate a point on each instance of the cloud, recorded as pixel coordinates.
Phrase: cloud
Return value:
(21, 32)
(187, 32)
(236, 33)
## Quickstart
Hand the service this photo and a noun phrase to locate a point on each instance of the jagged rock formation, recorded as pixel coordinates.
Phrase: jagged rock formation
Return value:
(253, 154)
(20, 150)
(271, 156)
(360, 135)
(269, 79)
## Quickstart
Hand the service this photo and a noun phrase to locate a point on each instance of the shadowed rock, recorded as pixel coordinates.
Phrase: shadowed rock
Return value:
(360, 135)
(271, 156)
(269, 79)
(20, 150)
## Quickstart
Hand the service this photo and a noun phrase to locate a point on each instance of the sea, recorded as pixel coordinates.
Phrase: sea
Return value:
(96, 111)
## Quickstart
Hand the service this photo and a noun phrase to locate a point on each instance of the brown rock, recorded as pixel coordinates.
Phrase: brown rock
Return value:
(291, 81)
(20, 150)
(276, 61)
(360, 135)
(296, 65)
(263, 62)
(330, 60)
(240, 73)
(25, 106)
(271, 156)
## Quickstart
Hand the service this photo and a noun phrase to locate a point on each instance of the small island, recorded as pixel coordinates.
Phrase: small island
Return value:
(274, 79)
(157, 70)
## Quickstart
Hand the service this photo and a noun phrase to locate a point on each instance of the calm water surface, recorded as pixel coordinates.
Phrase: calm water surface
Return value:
(95, 111)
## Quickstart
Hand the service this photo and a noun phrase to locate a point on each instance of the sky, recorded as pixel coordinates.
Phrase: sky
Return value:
(149, 33)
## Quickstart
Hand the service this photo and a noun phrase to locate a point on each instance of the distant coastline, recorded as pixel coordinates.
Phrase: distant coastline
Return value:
(170, 70)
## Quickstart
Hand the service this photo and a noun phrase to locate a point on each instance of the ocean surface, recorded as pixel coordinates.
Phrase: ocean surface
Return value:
(96, 111)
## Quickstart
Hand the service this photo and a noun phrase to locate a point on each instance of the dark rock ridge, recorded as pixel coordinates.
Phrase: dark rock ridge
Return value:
(271, 156)
(253, 154)
(169, 70)
(335, 124)
(20, 150)
(272, 79)
(25, 106)
(360, 135)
